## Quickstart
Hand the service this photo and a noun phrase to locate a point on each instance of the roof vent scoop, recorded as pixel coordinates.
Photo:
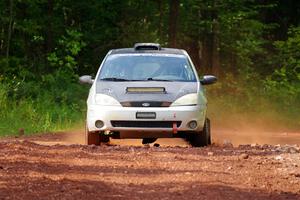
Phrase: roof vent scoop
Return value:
(147, 46)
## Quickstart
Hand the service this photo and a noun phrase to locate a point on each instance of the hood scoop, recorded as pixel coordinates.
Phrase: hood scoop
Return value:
(146, 90)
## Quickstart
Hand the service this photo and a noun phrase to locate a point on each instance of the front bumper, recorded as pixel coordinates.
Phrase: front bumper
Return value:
(184, 114)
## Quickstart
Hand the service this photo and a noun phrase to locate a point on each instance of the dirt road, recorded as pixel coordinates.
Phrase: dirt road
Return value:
(57, 166)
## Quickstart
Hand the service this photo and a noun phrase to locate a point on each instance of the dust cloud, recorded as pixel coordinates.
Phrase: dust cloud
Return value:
(236, 129)
(240, 135)
(252, 129)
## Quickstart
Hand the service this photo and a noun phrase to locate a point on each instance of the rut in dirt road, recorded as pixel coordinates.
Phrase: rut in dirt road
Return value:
(32, 171)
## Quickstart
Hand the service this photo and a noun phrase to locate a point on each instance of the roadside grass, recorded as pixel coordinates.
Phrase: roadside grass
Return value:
(39, 115)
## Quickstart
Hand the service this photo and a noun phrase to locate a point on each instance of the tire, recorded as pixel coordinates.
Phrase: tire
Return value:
(202, 138)
(148, 140)
(95, 137)
(92, 138)
(104, 138)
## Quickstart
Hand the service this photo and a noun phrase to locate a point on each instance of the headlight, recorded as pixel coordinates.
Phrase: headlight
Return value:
(186, 100)
(105, 100)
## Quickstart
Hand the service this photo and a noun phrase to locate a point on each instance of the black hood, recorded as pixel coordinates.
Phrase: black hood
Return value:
(173, 90)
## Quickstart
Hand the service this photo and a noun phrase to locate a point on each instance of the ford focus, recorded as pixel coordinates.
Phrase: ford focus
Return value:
(147, 92)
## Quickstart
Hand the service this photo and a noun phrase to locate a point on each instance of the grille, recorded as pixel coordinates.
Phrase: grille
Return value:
(148, 103)
(145, 124)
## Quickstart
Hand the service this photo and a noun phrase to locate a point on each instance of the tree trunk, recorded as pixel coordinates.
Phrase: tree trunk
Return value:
(173, 22)
(2, 40)
(9, 30)
(206, 53)
(160, 22)
(215, 49)
(193, 47)
(215, 55)
(49, 34)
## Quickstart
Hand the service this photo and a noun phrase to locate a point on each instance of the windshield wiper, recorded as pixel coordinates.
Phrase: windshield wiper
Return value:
(157, 79)
(116, 79)
(122, 79)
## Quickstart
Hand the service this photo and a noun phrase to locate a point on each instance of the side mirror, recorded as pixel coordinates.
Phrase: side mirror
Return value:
(86, 79)
(208, 79)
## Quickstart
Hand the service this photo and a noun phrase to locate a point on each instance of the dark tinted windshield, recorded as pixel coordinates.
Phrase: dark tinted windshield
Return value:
(138, 67)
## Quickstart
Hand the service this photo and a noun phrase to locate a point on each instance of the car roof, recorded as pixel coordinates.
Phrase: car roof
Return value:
(161, 51)
(152, 48)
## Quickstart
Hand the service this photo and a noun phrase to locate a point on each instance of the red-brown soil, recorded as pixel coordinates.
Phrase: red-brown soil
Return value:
(51, 167)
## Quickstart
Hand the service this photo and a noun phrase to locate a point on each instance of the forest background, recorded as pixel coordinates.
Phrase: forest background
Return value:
(252, 46)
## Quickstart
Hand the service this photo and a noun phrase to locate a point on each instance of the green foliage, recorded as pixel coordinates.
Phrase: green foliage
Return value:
(253, 47)
(64, 54)
(40, 115)
(42, 95)
(283, 85)
(254, 97)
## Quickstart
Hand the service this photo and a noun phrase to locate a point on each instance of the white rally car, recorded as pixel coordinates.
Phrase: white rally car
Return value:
(147, 92)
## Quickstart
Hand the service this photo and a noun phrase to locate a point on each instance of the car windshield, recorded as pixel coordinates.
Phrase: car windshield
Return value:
(146, 67)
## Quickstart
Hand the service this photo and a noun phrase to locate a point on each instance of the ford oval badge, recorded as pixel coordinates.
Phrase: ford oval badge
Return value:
(146, 104)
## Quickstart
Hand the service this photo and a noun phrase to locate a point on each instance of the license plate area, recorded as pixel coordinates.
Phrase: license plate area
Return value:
(145, 115)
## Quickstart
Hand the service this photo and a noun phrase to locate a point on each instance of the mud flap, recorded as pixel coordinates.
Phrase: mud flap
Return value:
(174, 127)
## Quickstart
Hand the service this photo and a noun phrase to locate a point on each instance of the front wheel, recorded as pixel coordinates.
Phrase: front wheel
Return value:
(95, 137)
(92, 138)
(202, 138)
